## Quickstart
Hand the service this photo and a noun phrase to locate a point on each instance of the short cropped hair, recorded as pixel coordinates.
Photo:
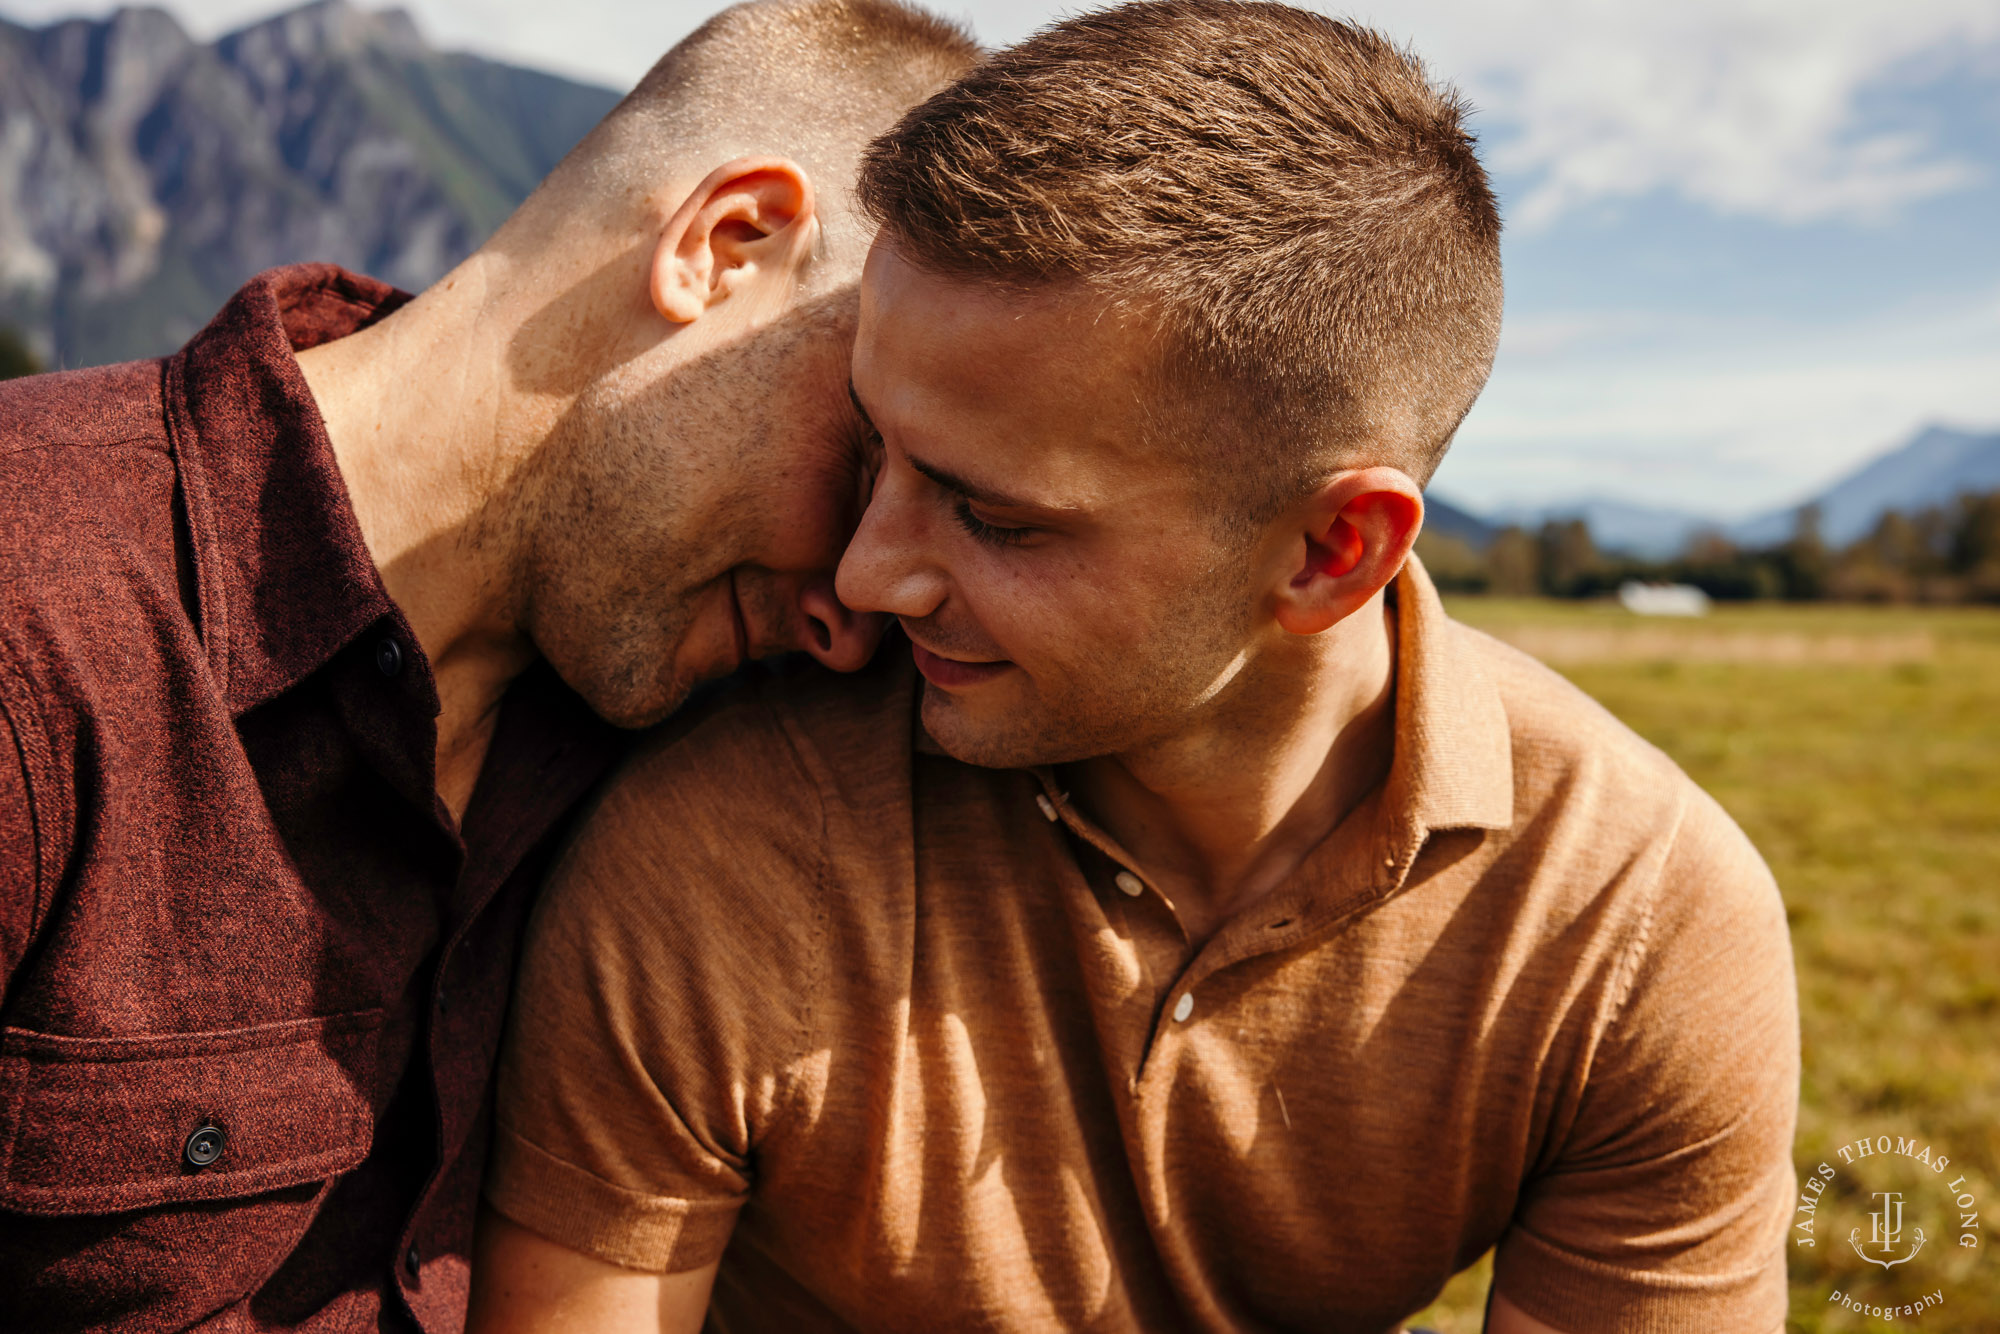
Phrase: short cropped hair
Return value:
(1300, 205)
(812, 80)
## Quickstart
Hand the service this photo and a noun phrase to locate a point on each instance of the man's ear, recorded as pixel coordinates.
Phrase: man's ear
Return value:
(1355, 534)
(750, 221)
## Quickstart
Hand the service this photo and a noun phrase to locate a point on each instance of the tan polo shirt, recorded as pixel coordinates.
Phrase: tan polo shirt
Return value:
(913, 1045)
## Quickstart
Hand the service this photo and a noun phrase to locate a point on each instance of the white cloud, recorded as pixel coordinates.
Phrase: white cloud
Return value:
(1748, 107)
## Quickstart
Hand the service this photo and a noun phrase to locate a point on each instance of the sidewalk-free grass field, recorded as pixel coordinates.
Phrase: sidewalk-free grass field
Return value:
(1860, 749)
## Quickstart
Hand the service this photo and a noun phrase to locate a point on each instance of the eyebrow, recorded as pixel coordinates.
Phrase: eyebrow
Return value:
(951, 481)
(971, 490)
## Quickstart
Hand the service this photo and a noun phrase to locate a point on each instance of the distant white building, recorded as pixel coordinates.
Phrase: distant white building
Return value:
(1663, 599)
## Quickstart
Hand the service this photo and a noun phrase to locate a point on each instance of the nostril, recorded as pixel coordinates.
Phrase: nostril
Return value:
(821, 635)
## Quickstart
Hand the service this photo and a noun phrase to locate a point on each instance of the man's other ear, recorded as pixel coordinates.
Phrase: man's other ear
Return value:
(749, 227)
(1346, 541)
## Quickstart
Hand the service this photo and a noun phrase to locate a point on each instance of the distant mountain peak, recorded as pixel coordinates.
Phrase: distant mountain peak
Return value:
(1936, 464)
(1933, 467)
(1935, 442)
(325, 27)
(146, 175)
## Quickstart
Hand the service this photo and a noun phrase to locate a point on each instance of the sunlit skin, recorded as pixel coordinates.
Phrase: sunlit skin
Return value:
(633, 455)
(1219, 703)
(528, 1284)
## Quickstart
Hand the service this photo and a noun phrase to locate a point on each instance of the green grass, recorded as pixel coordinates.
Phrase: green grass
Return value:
(1873, 789)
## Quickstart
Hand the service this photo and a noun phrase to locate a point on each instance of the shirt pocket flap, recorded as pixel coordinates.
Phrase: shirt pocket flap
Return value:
(95, 1125)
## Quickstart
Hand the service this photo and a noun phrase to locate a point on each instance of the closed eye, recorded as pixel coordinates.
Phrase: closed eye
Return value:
(992, 534)
(963, 493)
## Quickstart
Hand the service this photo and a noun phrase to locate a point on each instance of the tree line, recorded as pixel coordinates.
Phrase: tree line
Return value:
(1947, 553)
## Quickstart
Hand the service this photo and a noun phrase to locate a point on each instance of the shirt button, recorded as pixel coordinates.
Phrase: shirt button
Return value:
(388, 656)
(1048, 807)
(203, 1147)
(1184, 1007)
(1131, 885)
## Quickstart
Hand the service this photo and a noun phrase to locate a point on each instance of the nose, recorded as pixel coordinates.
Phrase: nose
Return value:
(884, 568)
(840, 638)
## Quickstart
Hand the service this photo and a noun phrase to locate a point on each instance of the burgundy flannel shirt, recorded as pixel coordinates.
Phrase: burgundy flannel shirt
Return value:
(255, 974)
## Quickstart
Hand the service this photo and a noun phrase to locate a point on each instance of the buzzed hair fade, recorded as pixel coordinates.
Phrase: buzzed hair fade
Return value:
(811, 80)
(1301, 207)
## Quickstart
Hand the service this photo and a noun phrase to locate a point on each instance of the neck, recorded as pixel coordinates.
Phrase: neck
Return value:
(1223, 812)
(429, 435)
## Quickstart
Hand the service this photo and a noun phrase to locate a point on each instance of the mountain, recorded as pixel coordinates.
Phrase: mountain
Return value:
(1934, 468)
(1448, 520)
(144, 175)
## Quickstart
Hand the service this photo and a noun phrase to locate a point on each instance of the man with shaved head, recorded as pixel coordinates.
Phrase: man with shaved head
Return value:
(1190, 927)
(312, 634)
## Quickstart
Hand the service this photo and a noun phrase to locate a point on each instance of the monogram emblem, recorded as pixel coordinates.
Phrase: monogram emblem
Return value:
(1886, 1233)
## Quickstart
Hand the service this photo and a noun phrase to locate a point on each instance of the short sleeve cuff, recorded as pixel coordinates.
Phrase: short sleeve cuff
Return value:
(586, 1213)
(1573, 1292)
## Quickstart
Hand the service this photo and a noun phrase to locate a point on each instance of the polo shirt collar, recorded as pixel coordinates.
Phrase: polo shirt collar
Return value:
(1452, 768)
(283, 576)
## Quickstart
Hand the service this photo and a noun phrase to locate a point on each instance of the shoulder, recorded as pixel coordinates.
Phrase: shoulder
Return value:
(1576, 765)
(744, 780)
(1698, 980)
(86, 492)
(104, 405)
(1607, 828)
(691, 910)
(715, 837)
(82, 452)
(89, 603)
(1560, 735)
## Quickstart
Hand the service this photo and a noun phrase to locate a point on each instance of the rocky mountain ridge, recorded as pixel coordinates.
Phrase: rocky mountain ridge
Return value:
(144, 175)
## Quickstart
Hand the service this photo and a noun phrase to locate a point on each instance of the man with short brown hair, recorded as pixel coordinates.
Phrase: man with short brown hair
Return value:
(1197, 929)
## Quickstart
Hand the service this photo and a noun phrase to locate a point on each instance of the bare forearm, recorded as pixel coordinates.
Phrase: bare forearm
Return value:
(523, 1283)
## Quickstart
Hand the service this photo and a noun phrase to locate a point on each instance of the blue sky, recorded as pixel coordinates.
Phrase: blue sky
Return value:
(1750, 243)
